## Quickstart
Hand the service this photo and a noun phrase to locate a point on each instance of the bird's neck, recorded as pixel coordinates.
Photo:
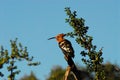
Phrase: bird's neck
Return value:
(60, 40)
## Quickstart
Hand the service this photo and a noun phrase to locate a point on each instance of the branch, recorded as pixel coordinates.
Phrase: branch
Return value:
(67, 73)
(78, 74)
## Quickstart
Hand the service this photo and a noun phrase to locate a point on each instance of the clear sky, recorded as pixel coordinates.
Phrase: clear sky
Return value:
(34, 21)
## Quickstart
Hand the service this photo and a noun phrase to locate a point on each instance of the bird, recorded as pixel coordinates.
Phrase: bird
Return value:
(65, 45)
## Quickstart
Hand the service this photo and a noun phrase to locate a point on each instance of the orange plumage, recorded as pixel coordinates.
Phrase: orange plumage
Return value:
(65, 45)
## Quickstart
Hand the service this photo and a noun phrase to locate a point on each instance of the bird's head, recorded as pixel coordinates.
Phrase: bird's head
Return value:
(59, 37)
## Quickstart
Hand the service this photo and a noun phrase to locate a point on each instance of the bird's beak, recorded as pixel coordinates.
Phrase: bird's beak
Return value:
(51, 38)
(64, 34)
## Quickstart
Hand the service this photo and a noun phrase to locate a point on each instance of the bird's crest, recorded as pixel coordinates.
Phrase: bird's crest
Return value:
(59, 37)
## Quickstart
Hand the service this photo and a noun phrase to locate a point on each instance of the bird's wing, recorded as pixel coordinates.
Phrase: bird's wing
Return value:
(66, 47)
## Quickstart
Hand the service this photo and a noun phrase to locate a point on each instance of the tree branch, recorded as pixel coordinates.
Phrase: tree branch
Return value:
(78, 74)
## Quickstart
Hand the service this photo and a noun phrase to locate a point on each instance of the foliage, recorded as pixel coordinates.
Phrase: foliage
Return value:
(29, 77)
(18, 53)
(95, 59)
(112, 72)
(56, 73)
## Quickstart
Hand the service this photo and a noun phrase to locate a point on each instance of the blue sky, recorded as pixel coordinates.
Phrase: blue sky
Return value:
(34, 21)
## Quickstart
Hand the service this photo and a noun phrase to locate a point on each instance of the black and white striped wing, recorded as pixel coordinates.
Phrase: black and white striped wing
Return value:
(67, 48)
